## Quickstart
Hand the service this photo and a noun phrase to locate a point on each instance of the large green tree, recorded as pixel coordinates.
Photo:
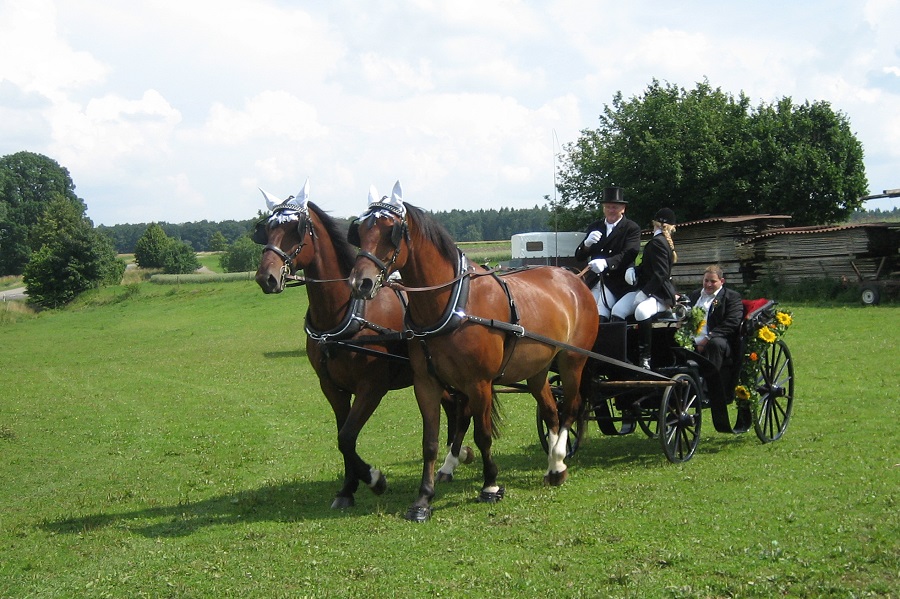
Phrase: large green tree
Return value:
(151, 248)
(28, 183)
(706, 153)
(72, 257)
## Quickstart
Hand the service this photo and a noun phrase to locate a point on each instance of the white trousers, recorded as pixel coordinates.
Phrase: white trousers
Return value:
(639, 304)
(604, 298)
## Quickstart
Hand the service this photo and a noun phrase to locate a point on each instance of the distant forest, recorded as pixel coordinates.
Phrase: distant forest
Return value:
(463, 225)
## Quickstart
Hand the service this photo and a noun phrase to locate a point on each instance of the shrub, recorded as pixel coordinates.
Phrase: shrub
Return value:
(179, 258)
(241, 256)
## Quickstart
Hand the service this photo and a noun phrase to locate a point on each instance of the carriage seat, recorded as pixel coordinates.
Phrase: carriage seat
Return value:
(756, 313)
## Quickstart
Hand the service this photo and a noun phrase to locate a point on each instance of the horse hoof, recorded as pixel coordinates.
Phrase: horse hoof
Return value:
(470, 455)
(340, 502)
(380, 485)
(417, 513)
(555, 479)
(443, 477)
(491, 496)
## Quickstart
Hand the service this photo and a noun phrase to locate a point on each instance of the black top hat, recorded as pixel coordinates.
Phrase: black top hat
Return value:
(665, 216)
(613, 195)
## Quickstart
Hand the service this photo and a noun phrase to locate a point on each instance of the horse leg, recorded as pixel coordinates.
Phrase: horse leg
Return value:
(340, 405)
(362, 409)
(456, 407)
(557, 437)
(350, 421)
(481, 396)
(428, 393)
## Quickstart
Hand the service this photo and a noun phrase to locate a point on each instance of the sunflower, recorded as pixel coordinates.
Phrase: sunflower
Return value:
(766, 334)
(742, 393)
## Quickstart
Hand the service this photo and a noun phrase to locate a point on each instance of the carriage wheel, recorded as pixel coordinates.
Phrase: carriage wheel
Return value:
(574, 434)
(649, 423)
(679, 418)
(776, 392)
(610, 419)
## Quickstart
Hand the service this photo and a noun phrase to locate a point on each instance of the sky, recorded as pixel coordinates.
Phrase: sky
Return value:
(180, 111)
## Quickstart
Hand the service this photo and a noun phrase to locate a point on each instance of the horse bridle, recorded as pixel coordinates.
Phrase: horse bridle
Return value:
(304, 229)
(399, 231)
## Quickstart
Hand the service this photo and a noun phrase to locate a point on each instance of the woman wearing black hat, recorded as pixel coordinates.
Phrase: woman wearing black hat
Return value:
(653, 279)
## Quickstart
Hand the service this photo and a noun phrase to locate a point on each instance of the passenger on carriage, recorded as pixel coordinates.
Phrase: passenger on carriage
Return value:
(653, 279)
(611, 245)
(719, 336)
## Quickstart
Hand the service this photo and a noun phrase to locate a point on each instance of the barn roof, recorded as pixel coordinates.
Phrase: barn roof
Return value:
(734, 219)
(814, 229)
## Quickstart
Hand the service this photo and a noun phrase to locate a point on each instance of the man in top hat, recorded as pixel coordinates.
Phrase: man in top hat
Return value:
(610, 246)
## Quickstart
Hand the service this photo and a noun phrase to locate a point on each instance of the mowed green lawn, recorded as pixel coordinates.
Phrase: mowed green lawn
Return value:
(171, 441)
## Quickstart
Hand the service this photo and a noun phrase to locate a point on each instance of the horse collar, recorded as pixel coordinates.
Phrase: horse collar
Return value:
(454, 313)
(351, 324)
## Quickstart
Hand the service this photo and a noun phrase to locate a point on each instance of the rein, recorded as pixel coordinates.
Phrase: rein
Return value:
(297, 280)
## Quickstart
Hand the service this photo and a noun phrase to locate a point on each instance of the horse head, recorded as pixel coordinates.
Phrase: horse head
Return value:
(286, 235)
(382, 235)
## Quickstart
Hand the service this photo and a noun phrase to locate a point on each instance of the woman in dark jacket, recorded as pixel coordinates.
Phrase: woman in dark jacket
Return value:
(655, 291)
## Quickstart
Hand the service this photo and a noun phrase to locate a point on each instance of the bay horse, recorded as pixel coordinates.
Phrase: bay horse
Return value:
(355, 347)
(472, 329)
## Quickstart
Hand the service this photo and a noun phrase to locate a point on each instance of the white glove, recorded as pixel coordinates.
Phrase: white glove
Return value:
(630, 275)
(598, 265)
(592, 238)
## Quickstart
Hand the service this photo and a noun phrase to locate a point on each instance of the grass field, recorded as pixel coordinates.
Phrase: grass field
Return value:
(171, 441)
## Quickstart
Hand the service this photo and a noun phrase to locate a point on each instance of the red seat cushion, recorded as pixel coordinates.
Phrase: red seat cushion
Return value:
(751, 305)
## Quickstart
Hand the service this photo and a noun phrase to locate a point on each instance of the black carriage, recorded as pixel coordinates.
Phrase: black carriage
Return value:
(668, 402)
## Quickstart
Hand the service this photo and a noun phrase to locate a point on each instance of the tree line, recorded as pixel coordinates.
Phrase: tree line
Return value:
(463, 225)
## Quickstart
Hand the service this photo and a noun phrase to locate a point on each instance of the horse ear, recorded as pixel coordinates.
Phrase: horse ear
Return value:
(373, 194)
(397, 193)
(271, 201)
(303, 194)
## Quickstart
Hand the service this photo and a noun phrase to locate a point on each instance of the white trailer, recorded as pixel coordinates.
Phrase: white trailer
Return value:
(555, 249)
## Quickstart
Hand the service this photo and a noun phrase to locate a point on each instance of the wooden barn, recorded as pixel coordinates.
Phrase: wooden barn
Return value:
(700, 243)
(853, 253)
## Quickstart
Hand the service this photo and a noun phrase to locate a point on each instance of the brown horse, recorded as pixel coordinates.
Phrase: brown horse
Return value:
(355, 347)
(472, 330)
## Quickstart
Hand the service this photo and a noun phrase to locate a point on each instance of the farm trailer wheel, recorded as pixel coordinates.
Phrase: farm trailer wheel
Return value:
(871, 295)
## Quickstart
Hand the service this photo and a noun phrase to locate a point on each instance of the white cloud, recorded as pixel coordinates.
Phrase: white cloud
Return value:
(178, 111)
(269, 114)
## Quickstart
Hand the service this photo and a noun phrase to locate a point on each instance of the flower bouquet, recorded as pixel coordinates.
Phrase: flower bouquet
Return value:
(690, 328)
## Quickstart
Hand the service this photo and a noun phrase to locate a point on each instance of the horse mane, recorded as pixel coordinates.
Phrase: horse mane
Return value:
(433, 232)
(346, 253)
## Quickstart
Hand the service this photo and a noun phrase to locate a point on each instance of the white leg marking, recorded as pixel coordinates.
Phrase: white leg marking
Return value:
(375, 474)
(557, 453)
(450, 463)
